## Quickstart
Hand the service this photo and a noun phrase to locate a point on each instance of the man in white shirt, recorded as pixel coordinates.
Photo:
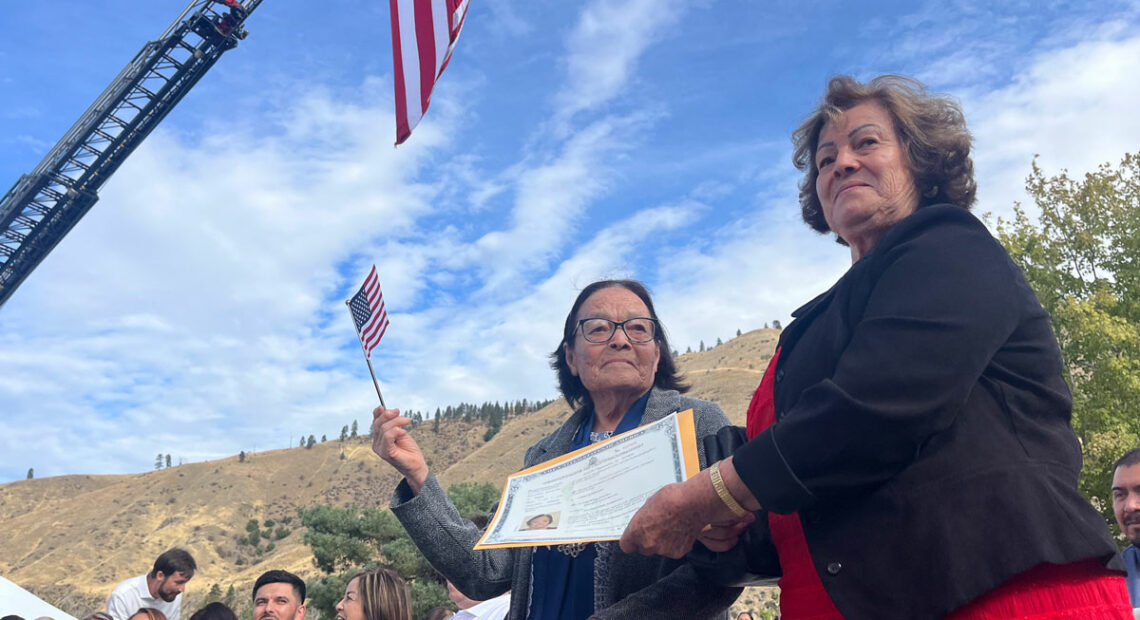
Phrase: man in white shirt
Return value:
(493, 609)
(159, 589)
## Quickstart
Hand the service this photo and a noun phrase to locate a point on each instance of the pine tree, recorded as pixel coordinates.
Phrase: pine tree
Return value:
(311, 442)
(702, 346)
(241, 456)
(718, 342)
(776, 325)
(324, 438)
(737, 332)
(168, 460)
(158, 462)
(344, 433)
(435, 423)
(354, 427)
(31, 473)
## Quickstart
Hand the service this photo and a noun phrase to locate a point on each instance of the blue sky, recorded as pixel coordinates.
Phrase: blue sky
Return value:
(198, 309)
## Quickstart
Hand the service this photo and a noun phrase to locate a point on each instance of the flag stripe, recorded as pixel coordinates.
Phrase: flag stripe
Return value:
(424, 33)
(402, 129)
(425, 42)
(409, 68)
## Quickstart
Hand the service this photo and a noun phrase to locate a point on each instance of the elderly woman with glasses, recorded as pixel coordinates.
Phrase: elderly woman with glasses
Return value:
(614, 365)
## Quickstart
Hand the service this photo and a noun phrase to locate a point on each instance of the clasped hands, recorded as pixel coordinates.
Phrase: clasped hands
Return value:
(679, 515)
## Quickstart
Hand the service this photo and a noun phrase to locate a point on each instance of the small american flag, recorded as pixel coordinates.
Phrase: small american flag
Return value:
(424, 33)
(368, 313)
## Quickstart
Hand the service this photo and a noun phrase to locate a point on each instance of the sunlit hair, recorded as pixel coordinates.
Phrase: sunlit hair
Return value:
(930, 127)
(150, 613)
(667, 377)
(384, 595)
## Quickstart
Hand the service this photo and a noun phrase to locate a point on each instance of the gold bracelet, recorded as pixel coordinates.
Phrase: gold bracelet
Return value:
(722, 491)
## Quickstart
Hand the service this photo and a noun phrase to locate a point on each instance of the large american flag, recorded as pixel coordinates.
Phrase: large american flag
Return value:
(368, 313)
(424, 33)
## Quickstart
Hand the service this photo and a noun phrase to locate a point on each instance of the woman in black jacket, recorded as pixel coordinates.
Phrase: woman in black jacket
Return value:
(910, 447)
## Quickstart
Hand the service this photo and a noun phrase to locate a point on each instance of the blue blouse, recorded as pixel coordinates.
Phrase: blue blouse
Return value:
(563, 586)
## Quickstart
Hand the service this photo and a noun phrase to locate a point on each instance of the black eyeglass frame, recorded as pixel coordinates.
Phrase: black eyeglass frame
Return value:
(616, 324)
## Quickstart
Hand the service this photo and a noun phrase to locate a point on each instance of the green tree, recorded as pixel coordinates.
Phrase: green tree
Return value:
(241, 456)
(158, 461)
(1082, 258)
(312, 441)
(344, 432)
(31, 473)
(324, 438)
(214, 595)
(345, 539)
(354, 428)
(737, 332)
(473, 498)
(435, 423)
(776, 324)
(168, 460)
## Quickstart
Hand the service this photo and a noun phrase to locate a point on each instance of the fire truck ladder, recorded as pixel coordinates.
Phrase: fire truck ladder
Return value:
(43, 206)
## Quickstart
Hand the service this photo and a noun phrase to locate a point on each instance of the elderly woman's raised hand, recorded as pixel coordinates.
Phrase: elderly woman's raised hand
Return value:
(396, 447)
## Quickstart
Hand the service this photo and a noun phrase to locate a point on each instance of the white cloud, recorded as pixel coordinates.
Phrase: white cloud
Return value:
(605, 45)
(1074, 106)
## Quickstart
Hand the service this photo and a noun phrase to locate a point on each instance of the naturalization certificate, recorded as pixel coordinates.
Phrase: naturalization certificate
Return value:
(591, 494)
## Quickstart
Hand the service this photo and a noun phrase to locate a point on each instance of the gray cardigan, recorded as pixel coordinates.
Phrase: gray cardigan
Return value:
(625, 585)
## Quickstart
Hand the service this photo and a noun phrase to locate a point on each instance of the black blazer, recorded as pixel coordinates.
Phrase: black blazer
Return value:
(923, 427)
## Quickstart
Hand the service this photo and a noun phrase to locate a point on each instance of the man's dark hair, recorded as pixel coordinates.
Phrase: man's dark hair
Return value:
(174, 561)
(1130, 458)
(281, 576)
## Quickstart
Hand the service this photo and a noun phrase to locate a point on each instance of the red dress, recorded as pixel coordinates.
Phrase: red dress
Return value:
(1047, 591)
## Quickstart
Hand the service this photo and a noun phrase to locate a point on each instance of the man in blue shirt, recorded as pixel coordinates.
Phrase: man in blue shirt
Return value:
(1126, 505)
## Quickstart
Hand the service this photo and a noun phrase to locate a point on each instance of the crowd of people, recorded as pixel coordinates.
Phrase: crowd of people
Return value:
(373, 594)
(909, 452)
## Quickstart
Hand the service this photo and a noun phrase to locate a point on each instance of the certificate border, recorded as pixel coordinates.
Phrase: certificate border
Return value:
(688, 440)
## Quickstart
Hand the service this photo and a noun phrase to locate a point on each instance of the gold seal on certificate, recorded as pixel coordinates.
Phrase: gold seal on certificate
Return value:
(592, 493)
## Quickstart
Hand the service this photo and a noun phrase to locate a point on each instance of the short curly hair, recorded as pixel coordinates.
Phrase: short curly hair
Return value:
(930, 127)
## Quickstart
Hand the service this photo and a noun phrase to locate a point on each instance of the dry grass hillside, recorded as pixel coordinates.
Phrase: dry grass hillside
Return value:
(70, 539)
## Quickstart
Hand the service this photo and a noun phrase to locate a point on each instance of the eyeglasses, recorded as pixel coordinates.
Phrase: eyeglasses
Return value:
(638, 330)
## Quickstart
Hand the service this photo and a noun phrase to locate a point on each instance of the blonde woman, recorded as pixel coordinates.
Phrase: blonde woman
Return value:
(375, 594)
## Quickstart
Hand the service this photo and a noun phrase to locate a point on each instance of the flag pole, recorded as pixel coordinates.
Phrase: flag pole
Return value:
(366, 359)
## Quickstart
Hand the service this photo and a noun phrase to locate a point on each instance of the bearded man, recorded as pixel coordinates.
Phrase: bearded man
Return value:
(159, 589)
